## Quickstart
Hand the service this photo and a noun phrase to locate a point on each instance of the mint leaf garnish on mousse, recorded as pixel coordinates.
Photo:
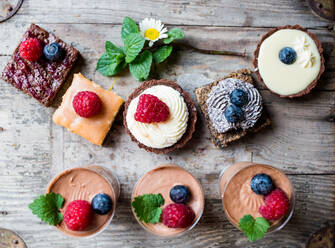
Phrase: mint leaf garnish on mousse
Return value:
(47, 208)
(254, 229)
(148, 207)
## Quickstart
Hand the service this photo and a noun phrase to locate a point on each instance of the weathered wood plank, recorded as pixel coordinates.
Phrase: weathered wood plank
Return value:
(301, 140)
(219, 38)
(211, 13)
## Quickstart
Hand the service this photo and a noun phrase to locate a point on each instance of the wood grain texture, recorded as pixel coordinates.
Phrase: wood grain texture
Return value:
(300, 141)
(269, 13)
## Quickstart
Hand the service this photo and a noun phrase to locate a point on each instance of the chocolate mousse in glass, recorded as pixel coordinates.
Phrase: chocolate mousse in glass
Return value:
(83, 183)
(239, 200)
(161, 180)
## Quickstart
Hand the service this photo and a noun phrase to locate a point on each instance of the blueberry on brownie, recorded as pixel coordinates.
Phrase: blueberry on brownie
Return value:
(34, 70)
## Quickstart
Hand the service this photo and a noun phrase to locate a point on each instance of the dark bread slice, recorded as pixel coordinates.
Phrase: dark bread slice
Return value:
(192, 118)
(223, 139)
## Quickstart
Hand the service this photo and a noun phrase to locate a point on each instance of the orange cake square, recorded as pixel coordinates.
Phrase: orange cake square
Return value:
(95, 128)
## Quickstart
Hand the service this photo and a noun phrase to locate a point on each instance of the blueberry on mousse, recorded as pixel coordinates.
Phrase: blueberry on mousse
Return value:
(102, 203)
(180, 194)
(53, 52)
(239, 97)
(233, 113)
(261, 184)
(287, 55)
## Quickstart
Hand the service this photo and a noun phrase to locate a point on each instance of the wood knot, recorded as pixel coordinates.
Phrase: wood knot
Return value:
(330, 118)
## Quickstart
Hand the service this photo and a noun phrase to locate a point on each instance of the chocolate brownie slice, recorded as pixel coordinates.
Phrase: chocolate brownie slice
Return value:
(41, 79)
(223, 139)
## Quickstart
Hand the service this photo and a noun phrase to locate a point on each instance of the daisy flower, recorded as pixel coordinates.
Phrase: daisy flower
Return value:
(152, 30)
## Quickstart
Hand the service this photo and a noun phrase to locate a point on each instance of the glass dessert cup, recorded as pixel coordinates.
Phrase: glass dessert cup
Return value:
(230, 175)
(158, 181)
(83, 183)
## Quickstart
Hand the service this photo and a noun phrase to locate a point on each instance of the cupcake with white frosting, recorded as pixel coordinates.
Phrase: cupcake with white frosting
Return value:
(289, 61)
(159, 116)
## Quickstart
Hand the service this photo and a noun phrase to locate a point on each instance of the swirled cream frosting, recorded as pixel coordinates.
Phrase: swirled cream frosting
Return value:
(219, 99)
(161, 134)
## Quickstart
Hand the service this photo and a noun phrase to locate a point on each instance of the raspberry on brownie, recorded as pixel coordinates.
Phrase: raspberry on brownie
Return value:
(88, 110)
(31, 72)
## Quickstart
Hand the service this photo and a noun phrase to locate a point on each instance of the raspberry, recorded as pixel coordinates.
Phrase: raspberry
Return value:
(31, 49)
(78, 215)
(86, 104)
(177, 215)
(151, 109)
(276, 205)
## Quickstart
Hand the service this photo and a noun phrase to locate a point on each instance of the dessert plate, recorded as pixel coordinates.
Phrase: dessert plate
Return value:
(7, 10)
(10, 239)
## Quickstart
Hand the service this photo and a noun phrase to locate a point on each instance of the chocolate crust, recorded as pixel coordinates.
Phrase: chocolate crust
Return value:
(192, 118)
(319, 46)
(222, 140)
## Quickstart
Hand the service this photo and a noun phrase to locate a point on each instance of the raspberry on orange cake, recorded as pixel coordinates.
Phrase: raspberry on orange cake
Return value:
(88, 110)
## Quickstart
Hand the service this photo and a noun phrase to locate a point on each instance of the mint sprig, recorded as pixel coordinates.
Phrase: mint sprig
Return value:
(148, 207)
(254, 229)
(47, 208)
(174, 34)
(140, 67)
(129, 26)
(162, 54)
(133, 45)
(135, 52)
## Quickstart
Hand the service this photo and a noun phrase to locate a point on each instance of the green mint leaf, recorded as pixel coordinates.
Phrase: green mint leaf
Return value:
(129, 26)
(148, 207)
(133, 45)
(174, 34)
(162, 53)
(254, 230)
(111, 49)
(109, 65)
(47, 208)
(140, 67)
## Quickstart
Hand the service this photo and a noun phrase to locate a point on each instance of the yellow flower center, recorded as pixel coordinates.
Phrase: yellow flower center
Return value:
(151, 34)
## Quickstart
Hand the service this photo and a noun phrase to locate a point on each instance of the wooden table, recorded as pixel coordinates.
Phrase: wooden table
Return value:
(301, 140)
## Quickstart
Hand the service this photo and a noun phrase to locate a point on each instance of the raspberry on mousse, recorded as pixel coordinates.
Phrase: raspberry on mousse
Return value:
(78, 215)
(177, 215)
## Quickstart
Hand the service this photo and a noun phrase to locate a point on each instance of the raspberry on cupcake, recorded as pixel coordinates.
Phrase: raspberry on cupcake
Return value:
(160, 116)
(289, 61)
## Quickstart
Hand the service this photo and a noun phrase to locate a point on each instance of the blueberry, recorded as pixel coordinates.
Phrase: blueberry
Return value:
(287, 55)
(261, 184)
(233, 113)
(53, 52)
(180, 194)
(239, 97)
(102, 204)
